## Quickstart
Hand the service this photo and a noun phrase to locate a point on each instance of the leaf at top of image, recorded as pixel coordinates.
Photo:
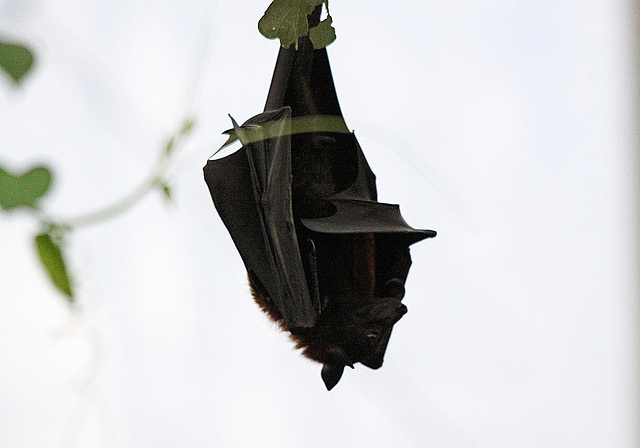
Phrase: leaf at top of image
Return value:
(287, 20)
(50, 253)
(23, 190)
(16, 60)
(323, 34)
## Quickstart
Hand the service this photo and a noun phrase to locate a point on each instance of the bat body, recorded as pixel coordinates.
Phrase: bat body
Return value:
(325, 260)
(355, 317)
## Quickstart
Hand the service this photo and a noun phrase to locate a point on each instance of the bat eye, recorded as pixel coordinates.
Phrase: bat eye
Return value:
(394, 288)
(372, 336)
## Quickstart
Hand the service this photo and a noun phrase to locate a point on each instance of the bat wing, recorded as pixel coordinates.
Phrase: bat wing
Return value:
(251, 190)
(302, 79)
(357, 211)
(358, 216)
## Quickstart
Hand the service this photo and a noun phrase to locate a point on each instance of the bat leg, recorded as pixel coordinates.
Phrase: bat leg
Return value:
(314, 287)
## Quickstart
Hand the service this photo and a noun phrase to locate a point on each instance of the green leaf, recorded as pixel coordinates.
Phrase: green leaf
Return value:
(16, 60)
(23, 190)
(299, 125)
(187, 127)
(51, 258)
(323, 34)
(171, 144)
(166, 190)
(287, 20)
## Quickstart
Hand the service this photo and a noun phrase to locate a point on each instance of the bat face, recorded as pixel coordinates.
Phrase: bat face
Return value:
(346, 333)
(367, 329)
(366, 335)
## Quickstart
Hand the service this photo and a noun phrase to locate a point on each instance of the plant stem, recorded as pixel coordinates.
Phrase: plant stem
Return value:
(154, 180)
(112, 210)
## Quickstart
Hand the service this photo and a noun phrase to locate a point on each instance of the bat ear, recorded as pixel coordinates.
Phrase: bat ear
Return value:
(332, 370)
(331, 374)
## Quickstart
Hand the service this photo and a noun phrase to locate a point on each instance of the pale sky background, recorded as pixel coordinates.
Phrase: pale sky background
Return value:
(505, 125)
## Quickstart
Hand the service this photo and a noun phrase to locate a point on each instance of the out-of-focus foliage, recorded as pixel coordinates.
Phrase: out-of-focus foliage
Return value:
(23, 190)
(26, 190)
(299, 125)
(15, 60)
(287, 20)
(186, 128)
(50, 253)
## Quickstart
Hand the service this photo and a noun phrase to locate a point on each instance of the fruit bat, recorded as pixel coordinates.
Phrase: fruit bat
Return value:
(325, 260)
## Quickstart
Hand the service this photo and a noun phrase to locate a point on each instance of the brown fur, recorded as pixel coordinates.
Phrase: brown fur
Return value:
(353, 270)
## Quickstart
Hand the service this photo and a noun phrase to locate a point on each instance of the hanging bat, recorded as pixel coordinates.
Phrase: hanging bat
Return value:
(325, 260)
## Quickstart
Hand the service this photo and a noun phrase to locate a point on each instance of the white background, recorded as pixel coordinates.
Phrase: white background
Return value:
(505, 125)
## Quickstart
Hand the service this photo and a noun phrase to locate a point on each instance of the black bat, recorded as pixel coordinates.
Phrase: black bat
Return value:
(325, 260)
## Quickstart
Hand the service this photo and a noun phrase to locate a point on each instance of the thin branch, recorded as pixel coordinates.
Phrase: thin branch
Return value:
(114, 209)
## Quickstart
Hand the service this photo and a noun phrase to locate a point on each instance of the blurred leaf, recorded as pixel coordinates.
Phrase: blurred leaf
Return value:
(23, 190)
(187, 127)
(166, 190)
(171, 144)
(16, 60)
(323, 34)
(287, 20)
(51, 258)
(299, 125)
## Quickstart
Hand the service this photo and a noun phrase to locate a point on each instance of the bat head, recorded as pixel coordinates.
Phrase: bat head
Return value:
(363, 337)
(368, 329)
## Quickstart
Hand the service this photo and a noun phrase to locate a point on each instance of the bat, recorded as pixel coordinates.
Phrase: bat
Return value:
(325, 260)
